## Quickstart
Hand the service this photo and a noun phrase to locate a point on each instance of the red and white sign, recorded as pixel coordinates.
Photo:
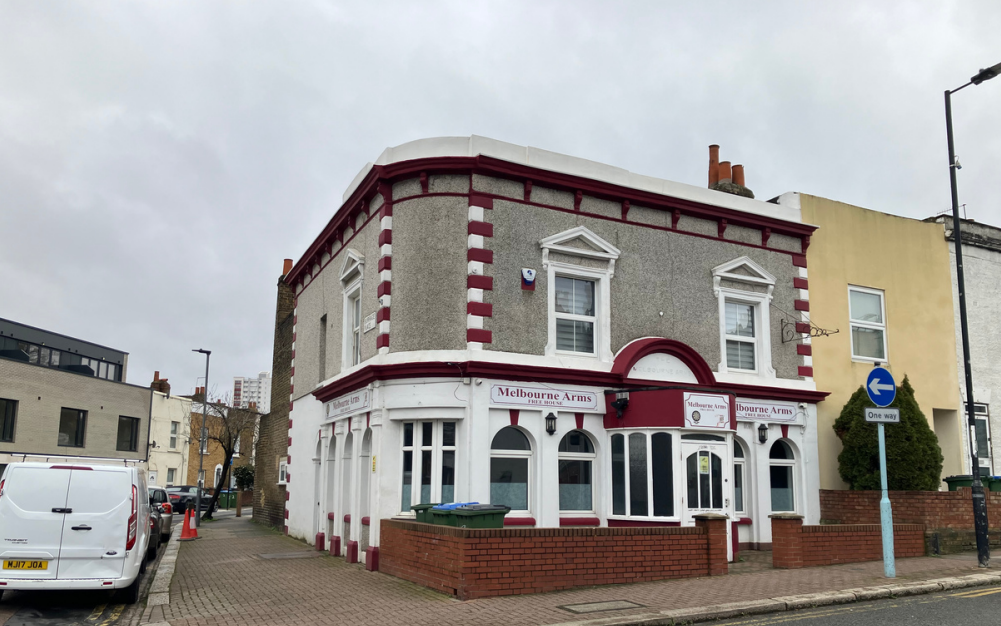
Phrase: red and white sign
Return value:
(542, 396)
(766, 411)
(703, 410)
(354, 402)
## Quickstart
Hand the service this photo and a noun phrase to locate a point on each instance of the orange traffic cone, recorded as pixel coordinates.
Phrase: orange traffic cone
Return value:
(189, 532)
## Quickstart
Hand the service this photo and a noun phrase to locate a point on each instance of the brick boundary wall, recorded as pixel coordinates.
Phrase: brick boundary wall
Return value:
(795, 545)
(471, 564)
(933, 509)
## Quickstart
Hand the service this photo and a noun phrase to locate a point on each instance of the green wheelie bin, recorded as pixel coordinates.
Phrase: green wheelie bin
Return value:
(481, 516)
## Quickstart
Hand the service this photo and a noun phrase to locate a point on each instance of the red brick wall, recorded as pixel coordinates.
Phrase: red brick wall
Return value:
(483, 563)
(795, 545)
(933, 509)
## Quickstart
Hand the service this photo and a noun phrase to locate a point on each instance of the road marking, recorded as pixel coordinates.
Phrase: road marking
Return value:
(116, 612)
(96, 613)
(977, 590)
(982, 593)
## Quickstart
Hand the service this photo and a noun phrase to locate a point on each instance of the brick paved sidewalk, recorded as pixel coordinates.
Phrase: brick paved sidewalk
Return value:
(222, 579)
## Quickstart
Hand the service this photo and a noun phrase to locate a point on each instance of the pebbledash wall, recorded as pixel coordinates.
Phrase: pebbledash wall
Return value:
(438, 386)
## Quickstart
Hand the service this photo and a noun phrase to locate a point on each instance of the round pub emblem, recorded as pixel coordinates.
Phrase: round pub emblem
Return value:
(696, 416)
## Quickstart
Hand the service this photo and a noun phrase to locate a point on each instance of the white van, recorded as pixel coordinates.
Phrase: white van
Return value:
(73, 526)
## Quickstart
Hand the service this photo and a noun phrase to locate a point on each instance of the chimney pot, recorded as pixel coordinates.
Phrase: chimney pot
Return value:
(713, 164)
(156, 375)
(286, 267)
(724, 172)
(738, 175)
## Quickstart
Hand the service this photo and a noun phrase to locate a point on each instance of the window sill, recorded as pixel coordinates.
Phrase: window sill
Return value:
(580, 521)
(519, 521)
(865, 359)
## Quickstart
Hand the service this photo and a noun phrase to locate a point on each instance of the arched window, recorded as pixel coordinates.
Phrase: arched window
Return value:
(781, 462)
(738, 478)
(576, 454)
(218, 477)
(509, 469)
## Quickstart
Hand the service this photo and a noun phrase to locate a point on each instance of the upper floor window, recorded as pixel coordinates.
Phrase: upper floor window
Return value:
(744, 291)
(72, 427)
(867, 314)
(740, 335)
(8, 413)
(352, 275)
(174, 428)
(575, 315)
(579, 266)
(128, 434)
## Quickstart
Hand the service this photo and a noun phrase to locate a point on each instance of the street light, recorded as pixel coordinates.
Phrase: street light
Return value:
(979, 502)
(202, 440)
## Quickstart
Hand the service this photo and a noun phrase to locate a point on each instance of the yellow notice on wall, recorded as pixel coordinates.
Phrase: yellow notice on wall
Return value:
(373, 462)
(703, 464)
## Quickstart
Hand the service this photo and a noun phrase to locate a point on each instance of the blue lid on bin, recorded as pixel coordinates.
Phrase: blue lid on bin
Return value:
(450, 506)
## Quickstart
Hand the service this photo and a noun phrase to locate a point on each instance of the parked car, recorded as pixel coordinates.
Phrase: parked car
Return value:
(78, 526)
(183, 498)
(159, 501)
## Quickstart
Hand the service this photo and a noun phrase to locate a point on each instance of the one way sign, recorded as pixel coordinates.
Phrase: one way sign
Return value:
(880, 387)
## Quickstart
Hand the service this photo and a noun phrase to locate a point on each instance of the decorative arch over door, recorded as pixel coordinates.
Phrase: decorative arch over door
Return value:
(688, 365)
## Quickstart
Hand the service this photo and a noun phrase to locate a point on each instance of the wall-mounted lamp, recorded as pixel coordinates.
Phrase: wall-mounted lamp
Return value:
(762, 433)
(620, 403)
(551, 423)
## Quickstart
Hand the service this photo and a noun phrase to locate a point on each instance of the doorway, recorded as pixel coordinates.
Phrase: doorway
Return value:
(708, 483)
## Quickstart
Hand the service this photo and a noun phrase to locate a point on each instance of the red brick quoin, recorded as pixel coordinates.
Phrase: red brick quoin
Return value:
(470, 563)
(795, 545)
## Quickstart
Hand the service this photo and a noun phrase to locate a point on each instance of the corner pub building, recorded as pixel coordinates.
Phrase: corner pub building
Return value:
(484, 322)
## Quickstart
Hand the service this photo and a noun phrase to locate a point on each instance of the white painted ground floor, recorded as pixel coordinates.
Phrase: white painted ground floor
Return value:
(557, 453)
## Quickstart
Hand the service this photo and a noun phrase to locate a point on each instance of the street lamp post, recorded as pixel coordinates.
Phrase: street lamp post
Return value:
(203, 436)
(979, 502)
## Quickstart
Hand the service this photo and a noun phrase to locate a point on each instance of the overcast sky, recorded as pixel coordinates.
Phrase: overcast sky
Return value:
(158, 160)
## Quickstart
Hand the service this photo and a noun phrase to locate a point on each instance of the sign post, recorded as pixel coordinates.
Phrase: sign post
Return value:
(882, 390)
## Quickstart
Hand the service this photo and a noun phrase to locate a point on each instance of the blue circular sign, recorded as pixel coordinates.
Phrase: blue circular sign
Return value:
(880, 387)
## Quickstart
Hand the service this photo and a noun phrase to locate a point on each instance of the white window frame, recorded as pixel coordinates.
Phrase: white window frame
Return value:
(175, 431)
(578, 456)
(604, 251)
(352, 280)
(754, 340)
(676, 480)
(742, 463)
(870, 325)
(236, 446)
(554, 316)
(517, 454)
(792, 476)
(761, 302)
(437, 448)
(282, 472)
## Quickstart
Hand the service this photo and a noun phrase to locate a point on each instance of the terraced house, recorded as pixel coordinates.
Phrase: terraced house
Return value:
(487, 322)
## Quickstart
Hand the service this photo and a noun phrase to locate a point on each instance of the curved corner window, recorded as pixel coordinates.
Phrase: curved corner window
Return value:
(781, 462)
(642, 475)
(576, 457)
(510, 453)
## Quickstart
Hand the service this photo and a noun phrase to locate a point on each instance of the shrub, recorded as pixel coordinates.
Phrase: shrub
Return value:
(244, 477)
(913, 457)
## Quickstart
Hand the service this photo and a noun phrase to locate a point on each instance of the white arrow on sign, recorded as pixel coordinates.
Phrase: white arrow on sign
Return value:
(876, 387)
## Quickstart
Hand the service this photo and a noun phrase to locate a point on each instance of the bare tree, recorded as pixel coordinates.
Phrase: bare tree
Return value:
(226, 426)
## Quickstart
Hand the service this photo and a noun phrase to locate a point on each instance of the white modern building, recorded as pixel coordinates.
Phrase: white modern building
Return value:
(486, 322)
(257, 391)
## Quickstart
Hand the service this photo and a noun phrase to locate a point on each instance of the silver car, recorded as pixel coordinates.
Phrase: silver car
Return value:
(159, 501)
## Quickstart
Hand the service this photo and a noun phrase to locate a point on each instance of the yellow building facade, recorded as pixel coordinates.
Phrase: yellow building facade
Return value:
(883, 282)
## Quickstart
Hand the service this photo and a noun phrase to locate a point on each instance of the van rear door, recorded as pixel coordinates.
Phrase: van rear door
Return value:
(31, 521)
(95, 533)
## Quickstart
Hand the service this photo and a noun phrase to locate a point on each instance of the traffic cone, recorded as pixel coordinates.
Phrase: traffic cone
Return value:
(189, 532)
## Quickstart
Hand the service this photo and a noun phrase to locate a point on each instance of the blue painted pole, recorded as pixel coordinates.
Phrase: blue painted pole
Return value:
(885, 512)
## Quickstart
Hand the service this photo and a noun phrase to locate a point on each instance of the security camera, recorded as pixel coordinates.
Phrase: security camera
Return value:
(959, 166)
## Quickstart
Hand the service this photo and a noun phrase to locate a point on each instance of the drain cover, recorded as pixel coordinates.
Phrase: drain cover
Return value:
(290, 555)
(595, 607)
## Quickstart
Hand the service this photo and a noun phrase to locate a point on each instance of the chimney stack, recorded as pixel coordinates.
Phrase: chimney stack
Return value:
(726, 178)
(287, 267)
(738, 175)
(160, 384)
(713, 165)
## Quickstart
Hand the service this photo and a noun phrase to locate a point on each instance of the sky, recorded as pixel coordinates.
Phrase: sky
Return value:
(159, 160)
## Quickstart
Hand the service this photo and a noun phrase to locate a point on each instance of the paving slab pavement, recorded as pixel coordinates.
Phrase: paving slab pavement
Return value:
(222, 579)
